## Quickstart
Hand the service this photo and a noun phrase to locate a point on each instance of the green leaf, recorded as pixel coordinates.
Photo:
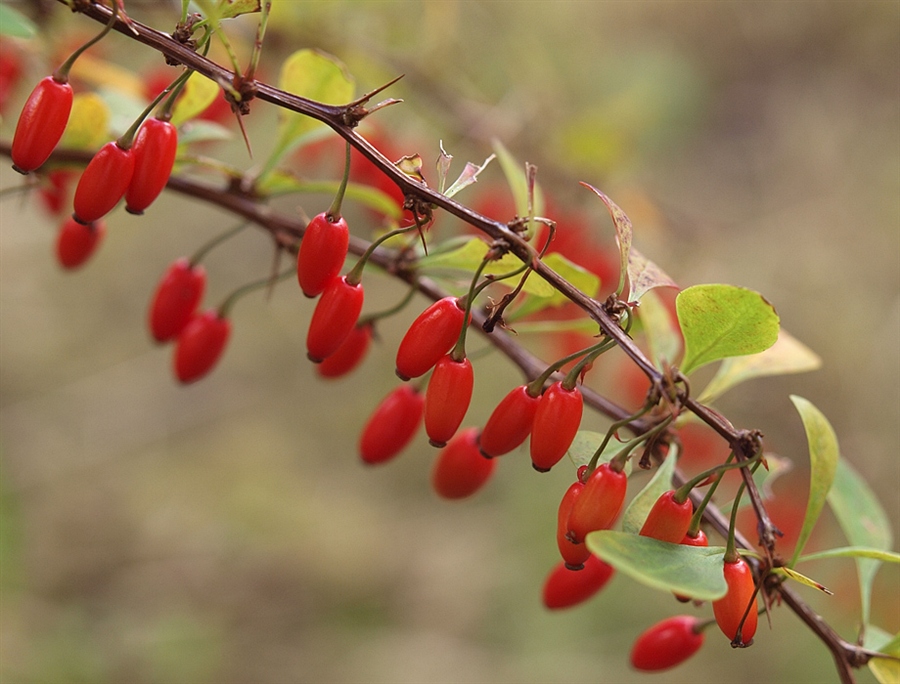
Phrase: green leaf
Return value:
(644, 275)
(886, 670)
(663, 337)
(694, 571)
(233, 8)
(468, 176)
(787, 355)
(587, 442)
(281, 182)
(802, 579)
(14, 23)
(636, 513)
(198, 94)
(580, 277)
(863, 522)
(88, 126)
(518, 183)
(316, 76)
(824, 454)
(852, 552)
(718, 321)
(624, 234)
(199, 130)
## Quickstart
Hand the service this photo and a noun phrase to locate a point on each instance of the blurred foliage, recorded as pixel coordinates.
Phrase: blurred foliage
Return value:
(224, 532)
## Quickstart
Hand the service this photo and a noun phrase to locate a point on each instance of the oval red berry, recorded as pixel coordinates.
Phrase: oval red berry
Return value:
(323, 250)
(176, 299)
(565, 588)
(155, 146)
(334, 317)
(429, 337)
(41, 124)
(200, 345)
(76, 242)
(447, 398)
(556, 422)
(510, 423)
(600, 504)
(668, 520)
(103, 182)
(460, 470)
(349, 355)
(574, 555)
(667, 644)
(392, 425)
(729, 610)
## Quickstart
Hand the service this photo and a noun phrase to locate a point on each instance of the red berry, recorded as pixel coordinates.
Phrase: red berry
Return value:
(10, 71)
(103, 182)
(729, 610)
(54, 193)
(600, 504)
(447, 398)
(76, 242)
(200, 345)
(177, 297)
(460, 470)
(322, 253)
(667, 644)
(429, 337)
(392, 425)
(154, 151)
(574, 555)
(348, 355)
(668, 520)
(555, 424)
(565, 588)
(41, 124)
(510, 423)
(335, 316)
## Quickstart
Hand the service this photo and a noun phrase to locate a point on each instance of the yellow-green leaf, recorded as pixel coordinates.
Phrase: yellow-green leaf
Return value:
(644, 275)
(198, 94)
(580, 277)
(88, 126)
(823, 459)
(803, 579)
(886, 670)
(787, 355)
(718, 321)
(852, 552)
(624, 232)
(663, 337)
(13, 23)
(233, 8)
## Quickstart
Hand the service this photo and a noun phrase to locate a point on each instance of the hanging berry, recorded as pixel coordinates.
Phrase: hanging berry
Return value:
(460, 470)
(348, 356)
(155, 146)
(600, 504)
(574, 555)
(322, 252)
(392, 425)
(556, 422)
(565, 588)
(668, 519)
(667, 644)
(729, 610)
(176, 299)
(103, 182)
(510, 423)
(447, 398)
(429, 337)
(41, 124)
(200, 345)
(76, 242)
(334, 317)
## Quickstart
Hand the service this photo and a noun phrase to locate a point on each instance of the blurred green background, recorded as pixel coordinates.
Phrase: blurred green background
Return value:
(226, 532)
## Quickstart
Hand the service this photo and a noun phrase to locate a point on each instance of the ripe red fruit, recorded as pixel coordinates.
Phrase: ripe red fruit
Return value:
(574, 555)
(10, 71)
(510, 423)
(668, 520)
(323, 250)
(177, 297)
(429, 337)
(460, 470)
(348, 355)
(600, 504)
(103, 182)
(154, 151)
(447, 398)
(667, 644)
(729, 610)
(200, 345)
(54, 191)
(41, 124)
(334, 317)
(392, 425)
(76, 242)
(565, 588)
(555, 424)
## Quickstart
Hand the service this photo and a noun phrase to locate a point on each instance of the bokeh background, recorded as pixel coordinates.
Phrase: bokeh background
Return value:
(226, 531)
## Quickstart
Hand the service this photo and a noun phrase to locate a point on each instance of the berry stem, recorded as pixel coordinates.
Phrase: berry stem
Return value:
(355, 275)
(219, 239)
(334, 211)
(61, 75)
(225, 307)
